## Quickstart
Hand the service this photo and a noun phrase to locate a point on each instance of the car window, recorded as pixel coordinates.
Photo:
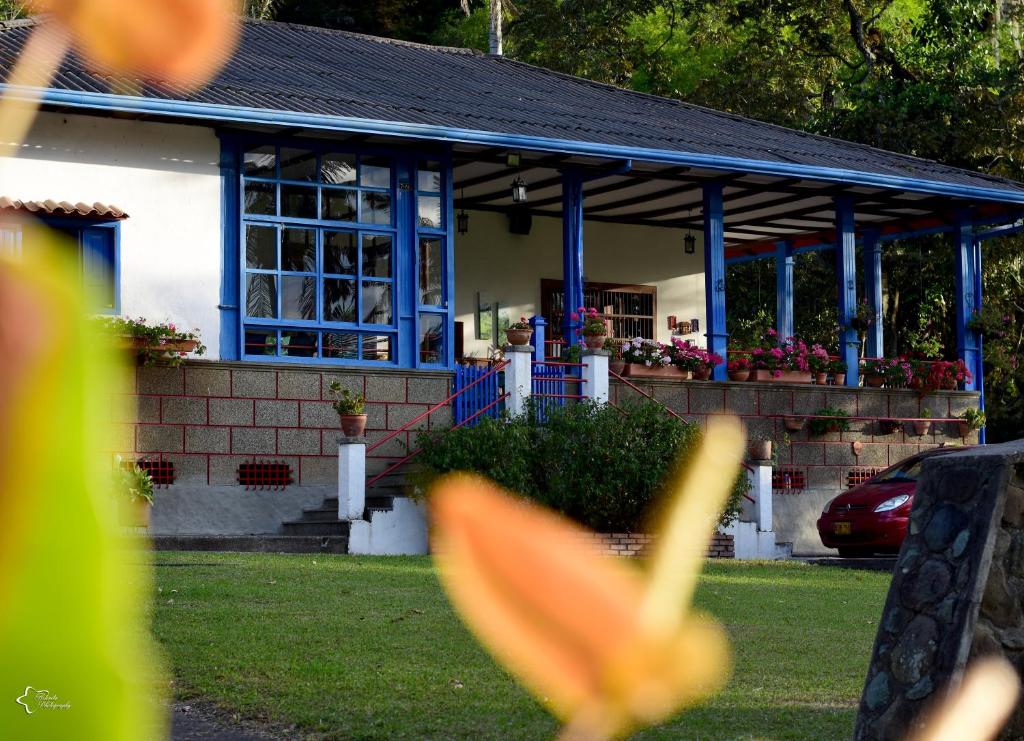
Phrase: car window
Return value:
(905, 472)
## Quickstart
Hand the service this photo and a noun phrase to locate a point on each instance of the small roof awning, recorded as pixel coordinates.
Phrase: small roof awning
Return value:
(51, 207)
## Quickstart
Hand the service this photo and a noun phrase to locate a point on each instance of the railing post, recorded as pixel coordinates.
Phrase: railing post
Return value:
(595, 375)
(539, 331)
(518, 378)
(351, 478)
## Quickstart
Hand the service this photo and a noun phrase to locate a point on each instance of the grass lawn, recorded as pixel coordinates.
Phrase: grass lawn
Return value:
(360, 648)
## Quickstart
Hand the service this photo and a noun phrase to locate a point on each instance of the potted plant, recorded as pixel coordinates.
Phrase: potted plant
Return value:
(863, 318)
(615, 362)
(689, 358)
(887, 426)
(793, 423)
(647, 358)
(519, 333)
(350, 408)
(594, 329)
(838, 370)
(152, 343)
(829, 419)
(921, 425)
(780, 360)
(134, 489)
(988, 321)
(819, 362)
(971, 419)
(739, 369)
(874, 372)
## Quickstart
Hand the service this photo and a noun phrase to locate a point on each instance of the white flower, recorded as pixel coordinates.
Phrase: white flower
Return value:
(647, 363)
(665, 361)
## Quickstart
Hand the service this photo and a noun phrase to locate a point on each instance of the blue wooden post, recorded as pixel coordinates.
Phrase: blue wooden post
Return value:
(539, 348)
(572, 251)
(846, 278)
(714, 274)
(979, 376)
(784, 289)
(966, 300)
(872, 255)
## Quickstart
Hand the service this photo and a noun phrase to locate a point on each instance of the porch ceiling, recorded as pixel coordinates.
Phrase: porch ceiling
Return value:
(759, 209)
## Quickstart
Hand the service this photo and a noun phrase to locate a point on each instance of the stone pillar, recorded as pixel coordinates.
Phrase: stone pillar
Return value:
(784, 289)
(714, 275)
(518, 378)
(595, 375)
(846, 279)
(760, 478)
(351, 478)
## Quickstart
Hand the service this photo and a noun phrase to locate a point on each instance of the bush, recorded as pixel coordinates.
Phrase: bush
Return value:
(600, 465)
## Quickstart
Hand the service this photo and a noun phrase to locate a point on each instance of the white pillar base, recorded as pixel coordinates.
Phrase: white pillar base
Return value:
(595, 375)
(518, 378)
(351, 478)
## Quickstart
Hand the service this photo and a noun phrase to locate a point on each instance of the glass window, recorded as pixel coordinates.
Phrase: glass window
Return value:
(429, 208)
(298, 201)
(298, 297)
(432, 338)
(376, 256)
(260, 162)
(298, 250)
(343, 345)
(377, 347)
(261, 247)
(376, 303)
(339, 205)
(339, 300)
(431, 272)
(375, 208)
(261, 198)
(338, 169)
(375, 172)
(298, 164)
(429, 177)
(261, 296)
(299, 344)
(261, 342)
(340, 253)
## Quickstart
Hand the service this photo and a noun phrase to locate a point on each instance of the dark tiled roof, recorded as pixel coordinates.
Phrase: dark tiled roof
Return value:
(282, 67)
(62, 208)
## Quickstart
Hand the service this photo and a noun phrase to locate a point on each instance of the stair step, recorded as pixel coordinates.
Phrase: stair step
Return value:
(299, 527)
(253, 543)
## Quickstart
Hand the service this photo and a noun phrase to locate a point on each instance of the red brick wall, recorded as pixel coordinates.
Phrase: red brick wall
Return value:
(637, 544)
(208, 417)
(826, 460)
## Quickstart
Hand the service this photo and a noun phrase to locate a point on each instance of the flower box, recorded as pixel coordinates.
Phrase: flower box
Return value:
(639, 370)
(767, 376)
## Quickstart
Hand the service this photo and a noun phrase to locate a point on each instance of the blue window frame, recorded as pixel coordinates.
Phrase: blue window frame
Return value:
(330, 247)
(97, 248)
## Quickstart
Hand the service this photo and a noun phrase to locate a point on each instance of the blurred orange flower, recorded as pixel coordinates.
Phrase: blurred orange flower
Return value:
(180, 43)
(606, 647)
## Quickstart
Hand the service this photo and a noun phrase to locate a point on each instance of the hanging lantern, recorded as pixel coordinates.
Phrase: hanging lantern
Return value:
(519, 190)
(462, 222)
(689, 243)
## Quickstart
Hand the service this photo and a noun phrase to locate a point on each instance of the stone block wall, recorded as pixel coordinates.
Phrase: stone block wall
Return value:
(637, 544)
(209, 417)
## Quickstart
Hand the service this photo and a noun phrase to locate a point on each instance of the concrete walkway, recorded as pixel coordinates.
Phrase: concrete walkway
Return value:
(194, 723)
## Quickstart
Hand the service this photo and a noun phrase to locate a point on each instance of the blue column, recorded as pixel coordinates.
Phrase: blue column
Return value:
(714, 274)
(784, 289)
(572, 251)
(979, 376)
(539, 330)
(872, 249)
(966, 300)
(231, 293)
(846, 279)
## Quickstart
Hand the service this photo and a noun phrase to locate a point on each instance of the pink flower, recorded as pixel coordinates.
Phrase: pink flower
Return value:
(574, 316)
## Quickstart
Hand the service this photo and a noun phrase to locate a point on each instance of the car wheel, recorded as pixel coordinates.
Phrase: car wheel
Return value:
(853, 553)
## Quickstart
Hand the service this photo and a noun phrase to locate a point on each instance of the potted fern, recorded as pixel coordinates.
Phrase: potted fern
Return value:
(970, 420)
(921, 425)
(134, 487)
(351, 409)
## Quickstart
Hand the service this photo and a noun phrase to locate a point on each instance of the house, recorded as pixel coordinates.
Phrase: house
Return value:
(340, 207)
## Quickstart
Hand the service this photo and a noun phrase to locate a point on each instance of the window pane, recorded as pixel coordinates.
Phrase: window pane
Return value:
(298, 164)
(431, 338)
(375, 172)
(261, 247)
(375, 208)
(429, 211)
(340, 345)
(338, 168)
(377, 347)
(339, 205)
(340, 252)
(339, 300)
(298, 297)
(261, 295)
(376, 303)
(298, 201)
(261, 198)
(429, 178)
(376, 256)
(298, 344)
(431, 272)
(298, 250)
(260, 342)
(259, 162)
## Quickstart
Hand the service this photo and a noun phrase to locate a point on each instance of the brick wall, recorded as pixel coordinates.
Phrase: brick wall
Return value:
(637, 544)
(208, 417)
(825, 461)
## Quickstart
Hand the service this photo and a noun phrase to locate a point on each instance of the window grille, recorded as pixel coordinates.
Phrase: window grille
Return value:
(789, 479)
(257, 475)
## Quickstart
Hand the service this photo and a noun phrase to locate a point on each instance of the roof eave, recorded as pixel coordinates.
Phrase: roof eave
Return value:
(242, 115)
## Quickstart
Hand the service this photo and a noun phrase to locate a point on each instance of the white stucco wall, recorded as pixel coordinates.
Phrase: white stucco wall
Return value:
(167, 178)
(508, 268)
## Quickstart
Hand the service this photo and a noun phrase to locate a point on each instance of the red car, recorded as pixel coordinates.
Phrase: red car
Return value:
(872, 517)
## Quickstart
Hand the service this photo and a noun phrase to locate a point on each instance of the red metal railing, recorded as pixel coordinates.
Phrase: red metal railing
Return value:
(408, 425)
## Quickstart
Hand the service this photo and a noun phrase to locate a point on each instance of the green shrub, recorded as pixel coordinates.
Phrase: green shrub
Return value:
(600, 465)
(836, 423)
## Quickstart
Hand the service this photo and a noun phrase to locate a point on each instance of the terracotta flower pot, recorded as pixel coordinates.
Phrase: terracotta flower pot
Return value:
(518, 336)
(821, 378)
(921, 428)
(839, 379)
(353, 425)
(767, 376)
(949, 384)
(963, 428)
(793, 424)
(593, 341)
(617, 366)
(887, 426)
(874, 381)
(760, 450)
(701, 373)
(739, 375)
(639, 370)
